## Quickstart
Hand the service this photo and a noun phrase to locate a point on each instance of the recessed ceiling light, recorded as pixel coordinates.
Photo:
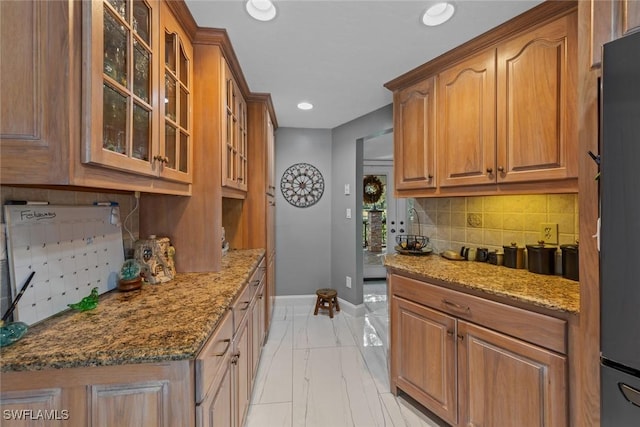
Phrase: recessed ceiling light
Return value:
(438, 13)
(305, 106)
(262, 10)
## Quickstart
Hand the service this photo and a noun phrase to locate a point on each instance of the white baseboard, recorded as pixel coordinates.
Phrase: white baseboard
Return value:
(310, 300)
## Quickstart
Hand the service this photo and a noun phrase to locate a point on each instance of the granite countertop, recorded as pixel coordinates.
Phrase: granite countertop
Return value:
(551, 292)
(168, 321)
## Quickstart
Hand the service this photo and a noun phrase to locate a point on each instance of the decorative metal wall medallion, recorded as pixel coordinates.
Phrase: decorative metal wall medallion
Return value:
(302, 185)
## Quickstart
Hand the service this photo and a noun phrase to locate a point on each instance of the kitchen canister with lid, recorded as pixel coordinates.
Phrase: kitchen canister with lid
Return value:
(513, 256)
(570, 261)
(541, 258)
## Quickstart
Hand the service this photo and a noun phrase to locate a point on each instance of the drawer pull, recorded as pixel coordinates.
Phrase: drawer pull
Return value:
(255, 282)
(461, 337)
(454, 306)
(449, 333)
(228, 341)
(246, 305)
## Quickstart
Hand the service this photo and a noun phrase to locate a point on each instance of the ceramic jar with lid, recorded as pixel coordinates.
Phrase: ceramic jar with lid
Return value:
(570, 264)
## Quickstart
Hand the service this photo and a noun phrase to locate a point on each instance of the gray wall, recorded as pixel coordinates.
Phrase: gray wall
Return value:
(303, 238)
(346, 247)
(318, 246)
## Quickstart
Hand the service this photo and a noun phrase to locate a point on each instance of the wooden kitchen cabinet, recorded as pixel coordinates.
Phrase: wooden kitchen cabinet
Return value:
(609, 20)
(509, 382)
(476, 362)
(425, 366)
(234, 157)
(260, 204)
(537, 104)
(466, 112)
(514, 122)
(505, 112)
(87, 113)
(153, 394)
(137, 56)
(414, 136)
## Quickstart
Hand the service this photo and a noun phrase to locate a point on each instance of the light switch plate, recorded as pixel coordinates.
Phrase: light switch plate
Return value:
(549, 232)
(348, 214)
(347, 189)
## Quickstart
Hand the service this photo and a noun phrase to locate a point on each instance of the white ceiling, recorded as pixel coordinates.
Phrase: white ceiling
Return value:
(337, 54)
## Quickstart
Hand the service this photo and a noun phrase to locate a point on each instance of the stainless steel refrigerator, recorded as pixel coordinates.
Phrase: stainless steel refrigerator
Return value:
(620, 233)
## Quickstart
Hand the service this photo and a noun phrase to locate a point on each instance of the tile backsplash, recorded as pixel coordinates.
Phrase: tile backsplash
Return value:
(126, 201)
(493, 221)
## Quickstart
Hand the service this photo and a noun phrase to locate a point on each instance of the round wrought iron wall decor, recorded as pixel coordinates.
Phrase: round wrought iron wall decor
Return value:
(371, 189)
(302, 185)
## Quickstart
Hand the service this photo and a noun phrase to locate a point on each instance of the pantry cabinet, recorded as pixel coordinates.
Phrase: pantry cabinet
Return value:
(473, 361)
(504, 115)
(414, 136)
(88, 113)
(260, 204)
(608, 21)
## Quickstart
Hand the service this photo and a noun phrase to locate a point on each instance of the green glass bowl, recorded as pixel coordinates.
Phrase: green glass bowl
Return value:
(12, 332)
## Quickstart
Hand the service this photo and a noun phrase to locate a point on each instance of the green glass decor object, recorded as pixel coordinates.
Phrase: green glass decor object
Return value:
(12, 332)
(87, 303)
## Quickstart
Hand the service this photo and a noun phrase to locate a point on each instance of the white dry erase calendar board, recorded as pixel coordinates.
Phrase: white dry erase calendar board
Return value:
(72, 249)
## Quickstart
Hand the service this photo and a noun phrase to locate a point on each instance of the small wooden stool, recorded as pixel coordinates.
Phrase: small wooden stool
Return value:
(327, 298)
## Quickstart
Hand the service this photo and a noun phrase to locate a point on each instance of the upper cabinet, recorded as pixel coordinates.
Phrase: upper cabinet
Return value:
(109, 107)
(414, 136)
(610, 20)
(537, 104)
(234, 157)
(137, 90)
(467, 121)
(504, 118)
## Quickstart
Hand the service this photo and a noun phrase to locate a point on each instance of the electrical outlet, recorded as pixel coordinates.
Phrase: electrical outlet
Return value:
(549, 232)
(348, 282)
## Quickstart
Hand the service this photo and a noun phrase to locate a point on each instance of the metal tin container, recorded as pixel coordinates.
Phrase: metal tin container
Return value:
(541, 258)
(570, 262)
(513, 256)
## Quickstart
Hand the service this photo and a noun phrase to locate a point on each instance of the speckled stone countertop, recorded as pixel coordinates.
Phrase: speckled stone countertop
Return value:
(169, 321)
(552, 292)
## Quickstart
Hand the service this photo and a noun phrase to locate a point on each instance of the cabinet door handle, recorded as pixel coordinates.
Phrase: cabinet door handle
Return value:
(490, 171)
(246, 305)
(226, 348)
(501, 169)
(449, 333)
(461, 337)
(430, 177)
(255, 282)
(458, 307)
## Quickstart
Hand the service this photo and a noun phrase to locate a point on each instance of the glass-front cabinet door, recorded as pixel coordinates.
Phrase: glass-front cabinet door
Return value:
(175, 140)
(136, 91)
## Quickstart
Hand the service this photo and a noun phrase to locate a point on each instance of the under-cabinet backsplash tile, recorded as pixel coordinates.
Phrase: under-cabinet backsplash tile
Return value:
(494, 221)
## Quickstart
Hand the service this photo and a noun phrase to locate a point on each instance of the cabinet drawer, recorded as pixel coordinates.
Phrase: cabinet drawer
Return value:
(213, 355)
(545, 331)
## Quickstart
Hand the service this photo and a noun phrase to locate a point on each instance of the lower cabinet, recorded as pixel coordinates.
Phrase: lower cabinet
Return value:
(450, 352)
(153, 394)
(228, 387)
(214, 389)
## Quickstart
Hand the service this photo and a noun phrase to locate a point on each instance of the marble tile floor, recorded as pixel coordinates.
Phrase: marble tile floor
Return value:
(320, 372)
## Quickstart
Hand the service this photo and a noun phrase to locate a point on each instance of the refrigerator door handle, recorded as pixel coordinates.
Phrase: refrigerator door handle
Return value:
(630, 393)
